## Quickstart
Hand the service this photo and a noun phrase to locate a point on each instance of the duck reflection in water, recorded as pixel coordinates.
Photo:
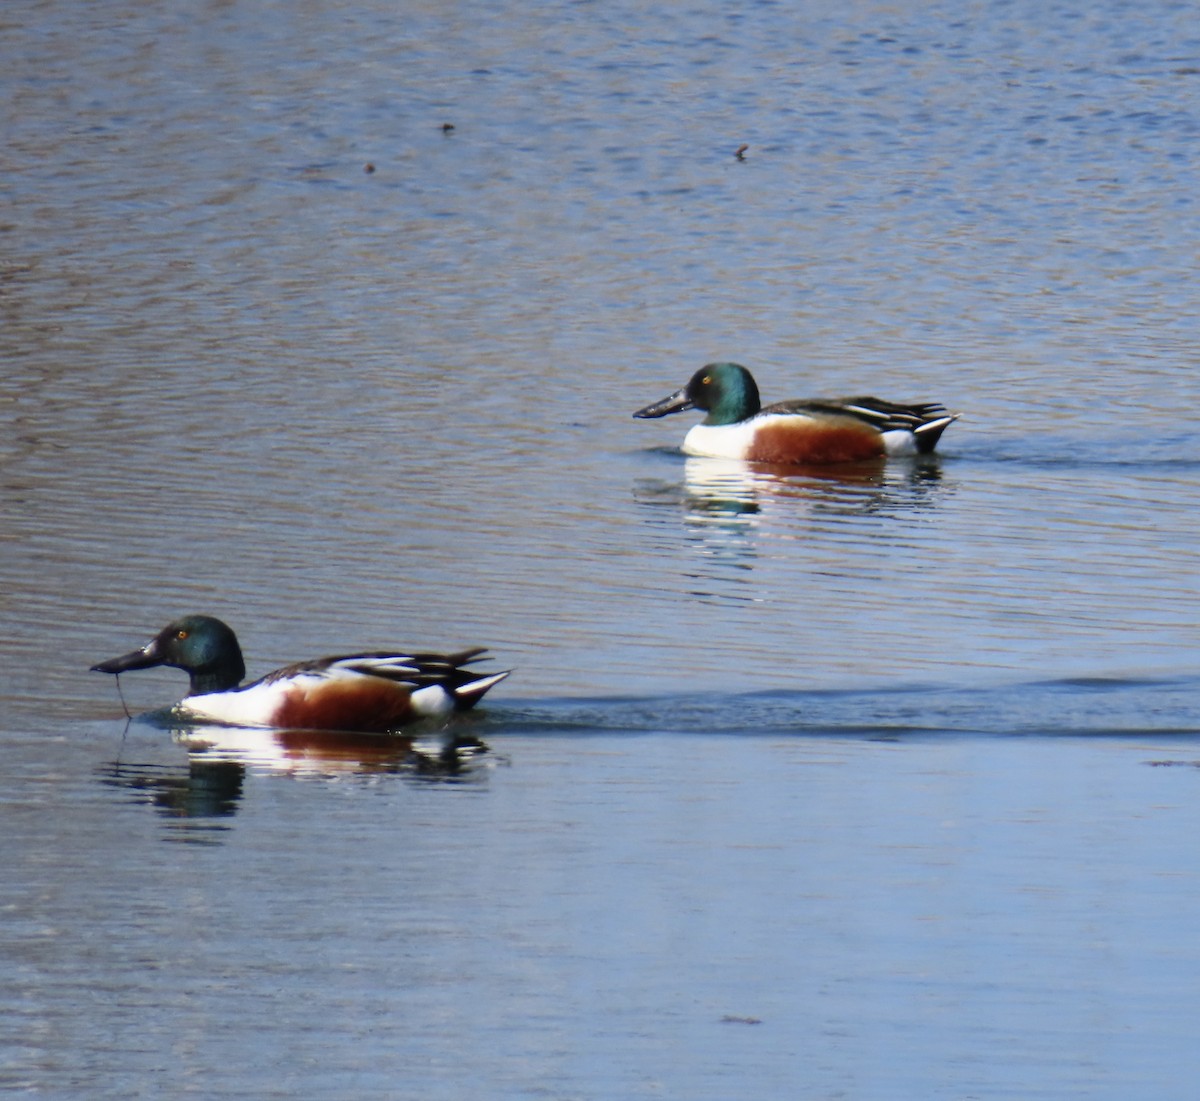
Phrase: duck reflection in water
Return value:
(322, 753)
(726, 504)
(201, 789)
(730, 489)
(211, 783)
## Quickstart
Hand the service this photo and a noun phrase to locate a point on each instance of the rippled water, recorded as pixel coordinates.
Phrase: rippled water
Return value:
(865, 783)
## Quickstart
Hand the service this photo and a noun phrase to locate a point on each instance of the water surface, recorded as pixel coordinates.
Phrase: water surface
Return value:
(867, 783)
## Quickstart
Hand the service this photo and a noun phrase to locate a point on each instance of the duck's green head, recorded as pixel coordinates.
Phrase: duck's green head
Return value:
(726, 391)
(200, 645)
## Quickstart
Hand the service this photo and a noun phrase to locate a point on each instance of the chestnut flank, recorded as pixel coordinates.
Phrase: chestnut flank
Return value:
(805, 441)
(371, 705)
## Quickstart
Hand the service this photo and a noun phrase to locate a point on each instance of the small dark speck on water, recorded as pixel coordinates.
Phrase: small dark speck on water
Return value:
(740, 152)
(368, 168)
(732, 1019)
(447, 127)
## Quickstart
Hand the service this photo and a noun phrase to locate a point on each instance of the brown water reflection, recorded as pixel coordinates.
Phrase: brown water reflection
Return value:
(210, 784)
(322, 753)
(726, 486)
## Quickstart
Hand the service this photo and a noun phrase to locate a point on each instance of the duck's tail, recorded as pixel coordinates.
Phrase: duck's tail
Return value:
(467, 695)
(928, 434)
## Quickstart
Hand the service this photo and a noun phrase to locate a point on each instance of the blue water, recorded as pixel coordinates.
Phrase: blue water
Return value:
(836, 784)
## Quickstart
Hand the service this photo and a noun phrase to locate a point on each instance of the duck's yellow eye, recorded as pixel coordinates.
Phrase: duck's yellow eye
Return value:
(706, 380)
(181, 635)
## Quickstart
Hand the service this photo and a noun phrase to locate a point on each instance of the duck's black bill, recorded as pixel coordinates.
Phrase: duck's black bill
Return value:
(676, 403)
(139, 659)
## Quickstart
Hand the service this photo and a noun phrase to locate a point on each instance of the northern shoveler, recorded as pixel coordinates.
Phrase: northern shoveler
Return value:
(370, 693)
(816, 431)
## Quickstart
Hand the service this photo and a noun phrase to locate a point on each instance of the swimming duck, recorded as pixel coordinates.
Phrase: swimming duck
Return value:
(815, 431)
(369, 693)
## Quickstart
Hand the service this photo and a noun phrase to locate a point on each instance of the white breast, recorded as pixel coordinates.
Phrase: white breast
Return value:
(723, 441)
(251, 706)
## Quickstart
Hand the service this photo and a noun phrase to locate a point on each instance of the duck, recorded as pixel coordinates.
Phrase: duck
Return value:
(815, 431)
(372, 693)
